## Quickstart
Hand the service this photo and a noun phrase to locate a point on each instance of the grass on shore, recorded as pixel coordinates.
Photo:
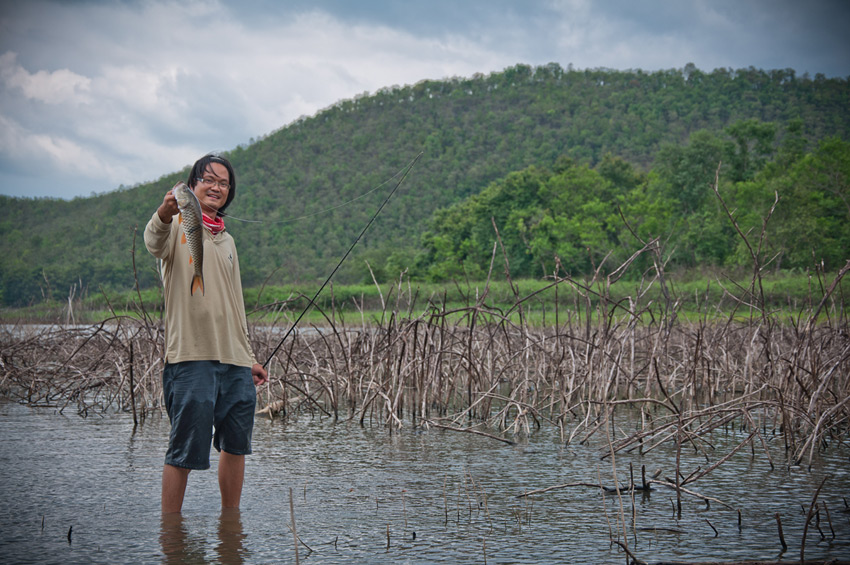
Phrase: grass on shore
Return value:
(538, 303)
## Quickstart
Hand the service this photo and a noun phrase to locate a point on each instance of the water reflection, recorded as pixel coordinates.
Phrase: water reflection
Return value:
(231, 538)
(180, 545)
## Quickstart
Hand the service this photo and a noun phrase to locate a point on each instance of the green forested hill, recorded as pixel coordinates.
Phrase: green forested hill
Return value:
(473, 131)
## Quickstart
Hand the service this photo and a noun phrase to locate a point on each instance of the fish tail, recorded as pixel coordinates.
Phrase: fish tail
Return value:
(197, 283)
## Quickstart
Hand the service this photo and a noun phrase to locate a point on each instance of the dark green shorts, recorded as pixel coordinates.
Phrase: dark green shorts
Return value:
(202, 396)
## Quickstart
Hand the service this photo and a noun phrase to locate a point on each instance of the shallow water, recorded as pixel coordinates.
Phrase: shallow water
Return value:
(365, 494)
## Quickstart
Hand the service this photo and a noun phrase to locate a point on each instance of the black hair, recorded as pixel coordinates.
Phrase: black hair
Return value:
(201, 166)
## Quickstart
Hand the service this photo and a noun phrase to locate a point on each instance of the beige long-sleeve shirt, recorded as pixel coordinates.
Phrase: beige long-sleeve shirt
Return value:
(204, 327)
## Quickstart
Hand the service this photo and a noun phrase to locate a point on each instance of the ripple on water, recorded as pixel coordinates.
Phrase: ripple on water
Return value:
(441, 496)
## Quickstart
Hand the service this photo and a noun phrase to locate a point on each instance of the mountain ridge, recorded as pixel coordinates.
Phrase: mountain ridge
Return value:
(473, 131)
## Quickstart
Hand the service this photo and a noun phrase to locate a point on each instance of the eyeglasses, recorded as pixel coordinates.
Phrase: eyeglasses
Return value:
(222, 184)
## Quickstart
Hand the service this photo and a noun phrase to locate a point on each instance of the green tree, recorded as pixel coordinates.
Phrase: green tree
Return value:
(753, 146)
(813, 218)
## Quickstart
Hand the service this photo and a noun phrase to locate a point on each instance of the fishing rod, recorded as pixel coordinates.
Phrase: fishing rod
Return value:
(338, 265)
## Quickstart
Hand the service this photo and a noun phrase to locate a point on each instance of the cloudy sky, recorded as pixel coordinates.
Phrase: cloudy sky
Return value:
(102, 93)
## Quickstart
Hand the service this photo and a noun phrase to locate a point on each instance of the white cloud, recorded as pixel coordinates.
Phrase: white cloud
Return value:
(135, 87)
(61, 156)
(55, 87)
(12, 138)
(67, 154)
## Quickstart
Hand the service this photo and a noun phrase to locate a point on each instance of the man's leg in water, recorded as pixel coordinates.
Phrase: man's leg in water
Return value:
(174, 481)
(231, 475)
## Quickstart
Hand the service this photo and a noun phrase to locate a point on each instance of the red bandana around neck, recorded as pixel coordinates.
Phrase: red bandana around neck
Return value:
(216, 226)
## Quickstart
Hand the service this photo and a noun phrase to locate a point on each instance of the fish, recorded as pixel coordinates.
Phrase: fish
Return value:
(191, 219)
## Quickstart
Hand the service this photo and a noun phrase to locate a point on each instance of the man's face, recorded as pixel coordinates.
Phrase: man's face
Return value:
(210, 188)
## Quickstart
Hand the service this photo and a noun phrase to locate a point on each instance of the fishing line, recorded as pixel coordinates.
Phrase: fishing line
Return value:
(289, 220)
(338, 265)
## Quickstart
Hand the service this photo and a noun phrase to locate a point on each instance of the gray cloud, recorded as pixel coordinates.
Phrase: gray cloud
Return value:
(95, 94)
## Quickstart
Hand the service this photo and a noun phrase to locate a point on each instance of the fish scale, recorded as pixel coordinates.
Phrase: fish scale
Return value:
(192, 223)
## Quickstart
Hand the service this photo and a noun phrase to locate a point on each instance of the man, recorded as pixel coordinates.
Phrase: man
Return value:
(210, 371)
